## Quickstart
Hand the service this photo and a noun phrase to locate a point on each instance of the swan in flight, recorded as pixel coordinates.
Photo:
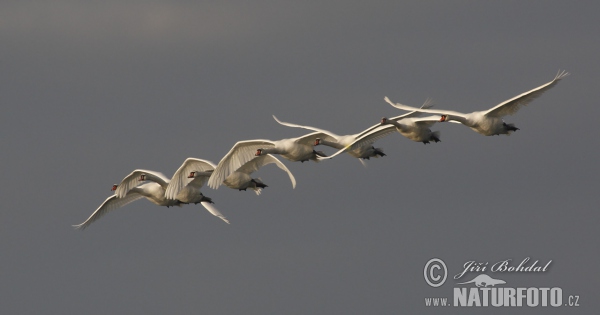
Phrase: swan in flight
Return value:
(151, 191)
(415, 128)
(240, 179)
(340, 142)
(294, 149)
(130, 190)
(490, 122)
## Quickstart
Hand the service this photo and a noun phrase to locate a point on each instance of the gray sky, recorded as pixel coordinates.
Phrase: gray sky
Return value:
(93, 91)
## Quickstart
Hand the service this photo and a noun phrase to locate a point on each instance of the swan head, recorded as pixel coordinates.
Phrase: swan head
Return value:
(317, 141)
(383, 120)
(114, 187)
(192, 175)
(259, 152)
(444, 118)
(142, 177)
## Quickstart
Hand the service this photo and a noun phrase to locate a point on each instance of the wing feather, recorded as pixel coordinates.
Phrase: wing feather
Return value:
(111, 203)
(512, 105)
(214, 211)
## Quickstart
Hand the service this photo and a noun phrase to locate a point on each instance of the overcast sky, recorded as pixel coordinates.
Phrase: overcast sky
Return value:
(92, 91)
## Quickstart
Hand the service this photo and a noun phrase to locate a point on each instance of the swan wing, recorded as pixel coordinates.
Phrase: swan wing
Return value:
(260, 161)
(111, 203)
(427, 110)
(214, 211)
(332, 136)
(512, 105)
(240, 154)
(365, 140)
(133, 180)
(427, 104)
(427, 121)
(180, 178)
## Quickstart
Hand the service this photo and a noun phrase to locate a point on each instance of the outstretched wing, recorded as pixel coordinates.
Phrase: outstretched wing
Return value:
(111, 203)
(180, 178)
(240, 154)
(514, 104)
(427, 104)
(425, 110)
(260, 161)
(330, 135)
(133, 180)
(214, 211)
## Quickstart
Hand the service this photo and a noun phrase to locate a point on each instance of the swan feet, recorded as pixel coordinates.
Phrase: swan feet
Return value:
(510, 127)
(378, 153)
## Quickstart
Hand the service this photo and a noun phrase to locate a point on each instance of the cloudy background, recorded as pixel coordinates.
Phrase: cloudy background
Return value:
(92, 91)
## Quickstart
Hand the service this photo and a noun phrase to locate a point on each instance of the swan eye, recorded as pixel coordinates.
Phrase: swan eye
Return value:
(191, 174)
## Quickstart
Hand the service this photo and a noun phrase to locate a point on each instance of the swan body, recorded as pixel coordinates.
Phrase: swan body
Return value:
(490, 122)
(415, 128)
(293, 149)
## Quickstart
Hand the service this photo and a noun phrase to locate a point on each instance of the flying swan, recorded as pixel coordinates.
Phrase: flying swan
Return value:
(490, 122)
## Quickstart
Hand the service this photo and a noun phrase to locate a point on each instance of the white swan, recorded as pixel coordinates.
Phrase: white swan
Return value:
(240, 179)
(294, 149)
(490, 122)
(340, 142)
(415, 128)
(151, 191)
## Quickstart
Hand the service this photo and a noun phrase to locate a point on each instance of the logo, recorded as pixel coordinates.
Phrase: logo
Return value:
(484, 281)
(486, 289)
(433, 266)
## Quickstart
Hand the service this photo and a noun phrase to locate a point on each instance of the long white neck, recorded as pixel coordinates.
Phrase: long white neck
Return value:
(157, 179)
(271, 150)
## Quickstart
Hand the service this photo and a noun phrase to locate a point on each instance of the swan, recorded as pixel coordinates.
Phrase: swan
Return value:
(340, 142)
(293, 149)
(151, 191)
(155, 192)
(415, 128)
(240, 179)
(490, 122)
